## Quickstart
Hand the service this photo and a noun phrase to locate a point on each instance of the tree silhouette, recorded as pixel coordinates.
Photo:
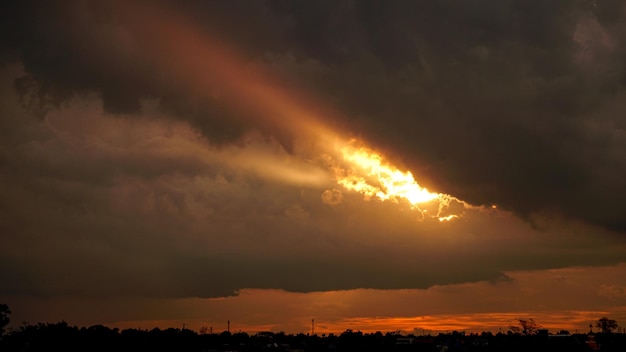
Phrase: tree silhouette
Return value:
(526, 327)
(5, 312)
(606, 325)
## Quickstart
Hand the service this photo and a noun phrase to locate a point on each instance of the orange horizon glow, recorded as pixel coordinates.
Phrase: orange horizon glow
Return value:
(573, 321)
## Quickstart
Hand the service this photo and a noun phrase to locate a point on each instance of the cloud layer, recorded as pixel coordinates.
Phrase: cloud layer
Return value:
(553, 298)
(139, 157)
(510, 103)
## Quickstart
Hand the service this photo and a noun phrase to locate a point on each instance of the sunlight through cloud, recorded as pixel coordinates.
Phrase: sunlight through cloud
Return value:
(370, 174)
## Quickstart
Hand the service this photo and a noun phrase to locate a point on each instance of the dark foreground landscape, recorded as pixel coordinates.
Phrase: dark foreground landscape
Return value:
(63, 337)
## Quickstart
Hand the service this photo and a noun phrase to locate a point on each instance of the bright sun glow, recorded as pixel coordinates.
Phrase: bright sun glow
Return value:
(370, 175)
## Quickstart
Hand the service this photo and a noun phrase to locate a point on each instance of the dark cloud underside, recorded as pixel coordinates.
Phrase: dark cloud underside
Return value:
(130, 163)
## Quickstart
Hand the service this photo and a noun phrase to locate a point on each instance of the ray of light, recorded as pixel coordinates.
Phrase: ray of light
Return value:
(204, 60)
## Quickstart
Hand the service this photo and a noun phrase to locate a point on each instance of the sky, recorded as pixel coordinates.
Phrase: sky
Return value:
(418, 166)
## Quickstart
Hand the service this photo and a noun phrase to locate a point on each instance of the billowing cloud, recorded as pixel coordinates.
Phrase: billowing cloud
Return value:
(169, 151)
(510, 103)
(93, 202)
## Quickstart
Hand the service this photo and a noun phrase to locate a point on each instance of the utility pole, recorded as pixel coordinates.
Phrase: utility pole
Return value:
(312, 327)
(229, 326)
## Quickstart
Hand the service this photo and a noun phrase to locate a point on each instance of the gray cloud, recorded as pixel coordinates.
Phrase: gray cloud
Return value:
(513, 103)
(148, 207)
(494, 100)
(118, 165)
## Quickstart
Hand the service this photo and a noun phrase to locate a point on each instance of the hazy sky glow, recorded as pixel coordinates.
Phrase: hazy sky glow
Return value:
(170, 164)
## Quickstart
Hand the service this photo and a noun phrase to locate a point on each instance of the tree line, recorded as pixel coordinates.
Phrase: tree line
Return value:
(526, 335)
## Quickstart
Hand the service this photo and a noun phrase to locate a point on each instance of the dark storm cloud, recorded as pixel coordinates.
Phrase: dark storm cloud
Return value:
(510, 102)
(74, 48)
(95, 206)
(513, 102)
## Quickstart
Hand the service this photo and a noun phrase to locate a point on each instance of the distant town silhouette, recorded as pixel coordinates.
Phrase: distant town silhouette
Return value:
(527, 335)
